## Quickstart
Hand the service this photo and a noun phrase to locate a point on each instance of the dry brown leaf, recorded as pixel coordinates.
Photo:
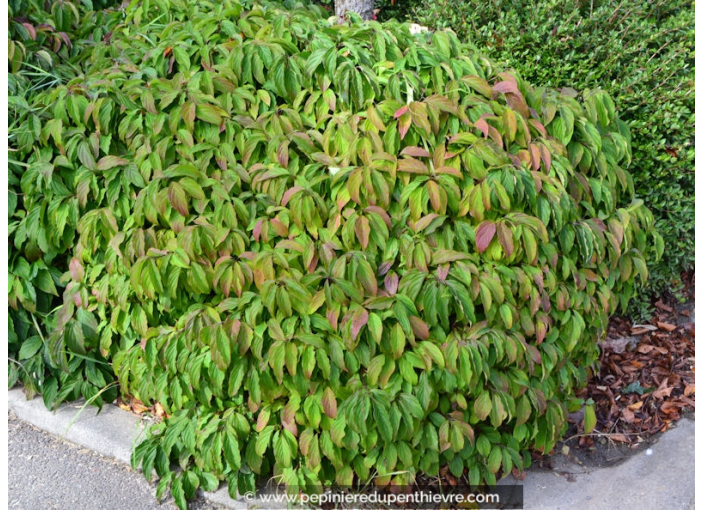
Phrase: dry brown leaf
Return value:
(518, 475)
(636, 405)
(138, 407)
(667, 326)
(663, 390)
(662, 306)
(689, 390)
(627, 415)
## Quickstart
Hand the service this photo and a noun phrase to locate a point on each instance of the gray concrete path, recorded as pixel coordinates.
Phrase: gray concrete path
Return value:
(659, 477)
(49, 473)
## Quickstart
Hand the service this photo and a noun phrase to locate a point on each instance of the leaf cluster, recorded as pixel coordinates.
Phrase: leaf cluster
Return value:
(642, 54)
(331, 252)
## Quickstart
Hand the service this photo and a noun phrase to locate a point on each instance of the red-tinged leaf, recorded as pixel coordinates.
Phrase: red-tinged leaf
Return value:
(546, 157)
(366, 276)
(538, 127)
(360, 317)
(289, 193)
(282, 154)
(420, 328)
(30, 30)
(425, 221)
(177, 198)
(535, 156)
(380, 212)
(262, 419)
(404, 124)
(483, 126)
(506, 87)
(416, 152)
(485, 233)
(537, 179)
(323, 158)
(400, 111)
(76, 269)
(332, 315)
(329, 403)
(257, 230)
(288, 420)
(361, 229)
(443, 271)
(449, 170)
(506, 238)
(496, 136)
(443, 103)
(391, 283)
(412, 166)
(108, 162)
(540, 332)
(434, 194)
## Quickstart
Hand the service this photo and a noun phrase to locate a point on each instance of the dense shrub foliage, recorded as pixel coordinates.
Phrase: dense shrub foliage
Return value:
(639, 51)
(330, 252)
(48, 43)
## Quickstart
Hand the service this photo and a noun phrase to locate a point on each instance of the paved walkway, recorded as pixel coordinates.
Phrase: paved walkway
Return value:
(48, 473)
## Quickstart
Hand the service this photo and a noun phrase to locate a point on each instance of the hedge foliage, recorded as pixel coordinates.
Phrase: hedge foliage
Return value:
(48, 44)
(642, 53)
(330, 252)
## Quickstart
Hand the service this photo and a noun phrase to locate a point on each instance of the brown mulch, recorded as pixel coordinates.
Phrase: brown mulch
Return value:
(646, 379)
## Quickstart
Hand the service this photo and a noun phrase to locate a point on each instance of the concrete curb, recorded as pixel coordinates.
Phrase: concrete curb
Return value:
(661, 477)
(113, 432)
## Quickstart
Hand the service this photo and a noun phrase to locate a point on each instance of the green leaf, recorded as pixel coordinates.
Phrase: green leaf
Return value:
(30, 347)
(589, 419)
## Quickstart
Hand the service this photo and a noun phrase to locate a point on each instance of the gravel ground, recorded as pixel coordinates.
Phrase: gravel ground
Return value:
(48, 473)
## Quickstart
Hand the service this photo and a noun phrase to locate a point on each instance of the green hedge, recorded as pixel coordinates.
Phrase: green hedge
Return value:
(48, 45)
(330, 252)
(642, 53)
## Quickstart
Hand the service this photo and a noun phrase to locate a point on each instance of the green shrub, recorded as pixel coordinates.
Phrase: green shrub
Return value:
(330, 252)
(639, 51)
(48, 44)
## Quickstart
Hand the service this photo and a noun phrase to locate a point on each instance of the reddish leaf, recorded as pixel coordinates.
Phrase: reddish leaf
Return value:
(506, 87)
(329, 403)
(257, 230)
(412, 166)
(506, 238)
(400, 111)
(483, 126)
(420, 328)
(289, 193)
(76, 269)
(404, 124)
(416, 152)
(485, 233)
(360, 318)
(391, 283)
(362, 229)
